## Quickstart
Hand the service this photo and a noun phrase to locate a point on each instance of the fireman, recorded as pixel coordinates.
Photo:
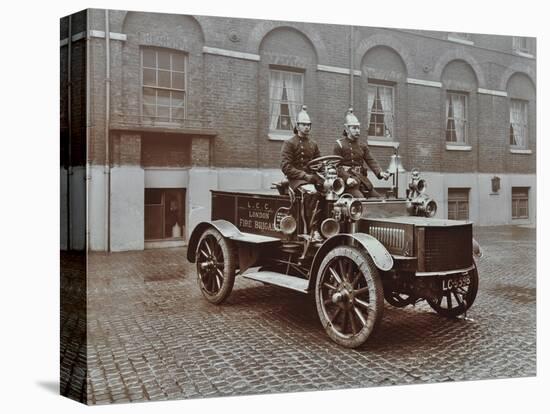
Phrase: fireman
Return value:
(296, 153)
(356, 154)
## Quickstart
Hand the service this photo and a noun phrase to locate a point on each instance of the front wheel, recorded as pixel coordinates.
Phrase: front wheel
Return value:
(215, 266)
(349, 296)
(457, 300)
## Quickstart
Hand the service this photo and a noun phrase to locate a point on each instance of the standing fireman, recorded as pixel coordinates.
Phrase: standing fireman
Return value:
(355, 155)
(296, 153)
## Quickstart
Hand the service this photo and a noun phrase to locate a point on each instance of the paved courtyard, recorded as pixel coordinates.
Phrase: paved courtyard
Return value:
(151, 335)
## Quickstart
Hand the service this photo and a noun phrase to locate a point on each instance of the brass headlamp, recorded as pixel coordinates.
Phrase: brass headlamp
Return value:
(348, 207)
(333, 185)
(417, 184)
(422, 205)
(418, 202)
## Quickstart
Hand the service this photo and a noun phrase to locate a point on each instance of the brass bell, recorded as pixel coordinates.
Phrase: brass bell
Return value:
(396, 166)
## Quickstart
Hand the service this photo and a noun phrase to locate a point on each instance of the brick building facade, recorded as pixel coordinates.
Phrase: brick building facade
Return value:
(194, 103)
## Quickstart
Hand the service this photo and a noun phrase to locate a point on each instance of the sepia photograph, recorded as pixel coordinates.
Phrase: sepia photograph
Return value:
(280, 206)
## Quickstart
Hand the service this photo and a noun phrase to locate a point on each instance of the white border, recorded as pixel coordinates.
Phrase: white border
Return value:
(30, 228)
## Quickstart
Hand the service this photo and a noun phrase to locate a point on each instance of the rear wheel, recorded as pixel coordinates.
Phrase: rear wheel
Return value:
(457, 300)
(349, 296)
(215, 266)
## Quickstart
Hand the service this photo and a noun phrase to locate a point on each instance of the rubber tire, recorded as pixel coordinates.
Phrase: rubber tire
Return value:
(228, 249)
(459, 310)
(376, 294)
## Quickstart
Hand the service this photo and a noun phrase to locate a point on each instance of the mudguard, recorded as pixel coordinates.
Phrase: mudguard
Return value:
(476, 249)
(227, 230)
(380, 256)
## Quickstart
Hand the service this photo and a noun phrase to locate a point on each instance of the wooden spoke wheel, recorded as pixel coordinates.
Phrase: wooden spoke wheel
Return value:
(215, 266)
(349, 296)
(456, 300)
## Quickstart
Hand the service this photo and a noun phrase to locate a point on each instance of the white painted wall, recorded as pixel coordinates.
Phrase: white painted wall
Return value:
(270, 176)
(199, 206)
(166, 177)
(96, 208)
(78, 208)
(127, 208)
(128, 183)
(239, 178)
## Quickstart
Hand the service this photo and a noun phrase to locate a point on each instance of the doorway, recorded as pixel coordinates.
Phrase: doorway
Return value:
(164, 214)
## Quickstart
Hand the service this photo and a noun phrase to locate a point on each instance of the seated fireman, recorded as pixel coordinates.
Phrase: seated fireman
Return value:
(295, 155)
(355, 155)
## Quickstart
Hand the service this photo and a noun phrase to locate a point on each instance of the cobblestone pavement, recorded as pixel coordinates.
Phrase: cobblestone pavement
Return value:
(151, 336)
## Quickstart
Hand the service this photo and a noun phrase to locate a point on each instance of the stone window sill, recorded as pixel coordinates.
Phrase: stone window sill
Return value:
(458, 147)
(520, 151)
(382, 143)
(279, 136)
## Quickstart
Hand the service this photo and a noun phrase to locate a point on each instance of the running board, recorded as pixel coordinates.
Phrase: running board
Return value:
(279, 279)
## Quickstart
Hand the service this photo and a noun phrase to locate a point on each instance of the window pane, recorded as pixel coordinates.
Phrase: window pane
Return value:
(380, 104)
(149, 58)
(164, 78)
(459, 206)
(178, 80)
(149, 77)
(153, 196)
(149, 96)
(523, 210)
(163, 113)
(163, 98)
(463, 212)
(164, 83)
(518, 123)
(520, 192)
(164, 59)
(286, 98)
(452, 214)
(461, 127)
(178, 62)
(457, 122)
(177, 99)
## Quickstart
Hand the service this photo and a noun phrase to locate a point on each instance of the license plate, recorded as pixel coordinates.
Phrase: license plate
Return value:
(455, 282)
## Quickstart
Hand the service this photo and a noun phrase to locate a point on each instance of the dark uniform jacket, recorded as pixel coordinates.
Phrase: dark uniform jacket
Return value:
(295, 155)
(355, 155)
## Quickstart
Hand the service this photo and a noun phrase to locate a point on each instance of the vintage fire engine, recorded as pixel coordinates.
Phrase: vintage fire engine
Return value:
(372, 249)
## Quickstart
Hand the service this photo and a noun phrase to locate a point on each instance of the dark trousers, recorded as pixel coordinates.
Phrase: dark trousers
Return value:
(309, 201)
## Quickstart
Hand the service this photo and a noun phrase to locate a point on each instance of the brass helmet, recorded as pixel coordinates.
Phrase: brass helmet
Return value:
(350, 118)
(303, 117)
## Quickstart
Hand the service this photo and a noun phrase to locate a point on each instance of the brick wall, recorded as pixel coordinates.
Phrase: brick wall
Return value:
(424, 141)
(77, 116)
(231, 95)
(165, 150)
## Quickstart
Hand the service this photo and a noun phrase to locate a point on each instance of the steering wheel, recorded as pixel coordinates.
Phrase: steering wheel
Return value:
(319, 164)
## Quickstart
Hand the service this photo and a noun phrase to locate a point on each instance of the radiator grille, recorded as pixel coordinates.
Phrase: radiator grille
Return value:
(447, 248)
(388, 236)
